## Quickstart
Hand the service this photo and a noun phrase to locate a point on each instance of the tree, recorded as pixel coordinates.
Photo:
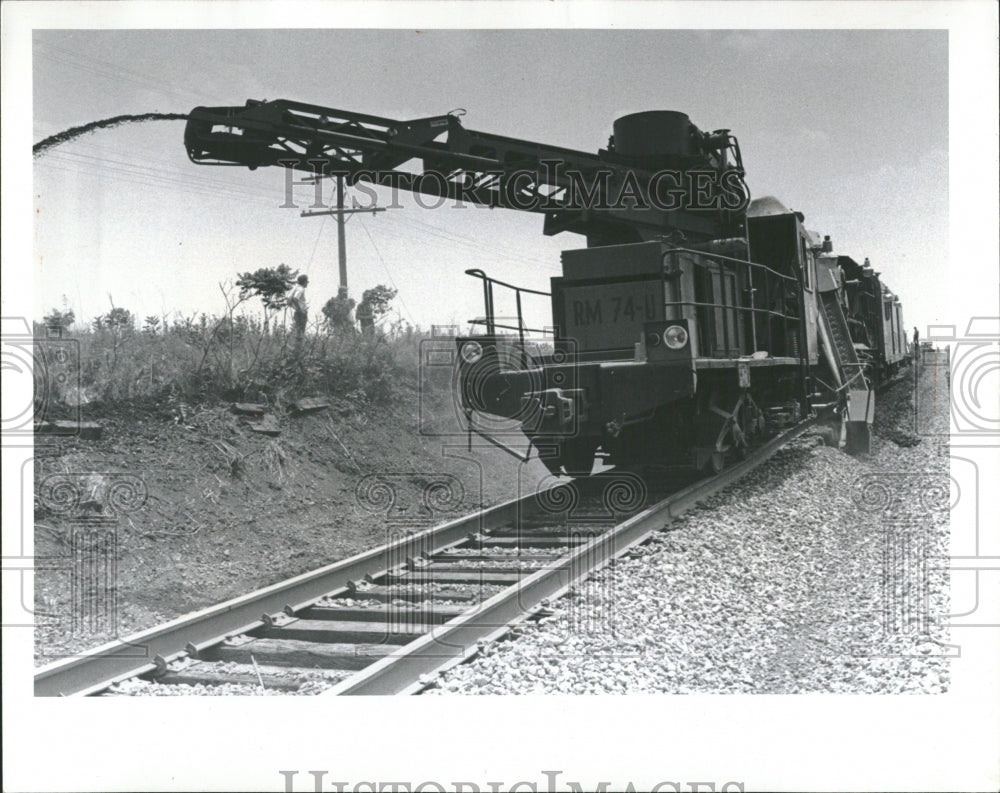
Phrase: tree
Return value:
(119, 321)
(121, 325)
(58, 321)
(337, 312)
(270, 284)
(374, 305)
(224, 327)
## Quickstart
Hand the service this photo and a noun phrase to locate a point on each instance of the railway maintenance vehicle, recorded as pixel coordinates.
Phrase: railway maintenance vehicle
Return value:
(692, 325)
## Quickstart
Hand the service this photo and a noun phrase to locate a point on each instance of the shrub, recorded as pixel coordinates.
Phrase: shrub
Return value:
(208, 358)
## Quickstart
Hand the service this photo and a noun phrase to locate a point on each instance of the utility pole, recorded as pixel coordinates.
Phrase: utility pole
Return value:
(340, 213)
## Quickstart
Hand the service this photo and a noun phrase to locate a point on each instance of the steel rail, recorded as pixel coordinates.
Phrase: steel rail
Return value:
(459, 639)
(96, 669)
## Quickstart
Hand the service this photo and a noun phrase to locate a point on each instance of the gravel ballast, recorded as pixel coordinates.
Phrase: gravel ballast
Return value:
(813, 574)
(296, 682)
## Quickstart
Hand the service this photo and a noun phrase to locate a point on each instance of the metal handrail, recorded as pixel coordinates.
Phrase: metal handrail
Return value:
(733, 308)
(711, 255)
(490, 320)
(501, 326)
(773, 283)
(477, 273)
(492, 325)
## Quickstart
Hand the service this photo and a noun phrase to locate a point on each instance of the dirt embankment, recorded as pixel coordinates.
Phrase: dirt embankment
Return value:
(205, 509)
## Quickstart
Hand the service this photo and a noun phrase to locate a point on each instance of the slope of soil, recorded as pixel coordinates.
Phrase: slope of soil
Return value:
(227, 510)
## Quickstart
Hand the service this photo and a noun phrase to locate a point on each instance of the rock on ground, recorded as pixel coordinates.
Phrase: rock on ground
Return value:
(806, 576)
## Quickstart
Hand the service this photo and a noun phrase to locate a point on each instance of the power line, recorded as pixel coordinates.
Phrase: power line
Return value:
(315, 245)
(460, 239)
(97, 167)
(341, 213)
(156, 165)
(88, 63)
(465, 248)
(388, 272)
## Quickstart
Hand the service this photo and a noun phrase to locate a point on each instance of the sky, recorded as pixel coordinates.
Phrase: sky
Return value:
(848, 127)
(857, 129)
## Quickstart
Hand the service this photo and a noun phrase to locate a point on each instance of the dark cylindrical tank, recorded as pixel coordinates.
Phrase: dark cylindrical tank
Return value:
(654, 134)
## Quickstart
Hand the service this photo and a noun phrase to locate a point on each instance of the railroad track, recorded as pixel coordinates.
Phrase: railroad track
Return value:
(386, 621)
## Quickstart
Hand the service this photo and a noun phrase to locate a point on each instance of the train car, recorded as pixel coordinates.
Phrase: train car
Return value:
(678, 355)
(693, 325)
(875, 317)
(652, 360)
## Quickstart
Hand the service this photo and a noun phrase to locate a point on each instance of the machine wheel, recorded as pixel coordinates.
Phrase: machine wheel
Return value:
(723, 440)
(553, 464)
(715, 463)
(578, 456)
(724, 434)
(549, 452)
(731, 446)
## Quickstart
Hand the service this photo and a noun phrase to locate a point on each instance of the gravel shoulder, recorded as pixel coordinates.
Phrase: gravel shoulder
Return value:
(810, 575)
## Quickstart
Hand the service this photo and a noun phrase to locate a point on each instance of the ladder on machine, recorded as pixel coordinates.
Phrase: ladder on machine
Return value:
(836, 336)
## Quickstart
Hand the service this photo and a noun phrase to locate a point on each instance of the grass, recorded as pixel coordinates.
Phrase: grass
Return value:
(206, 359)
